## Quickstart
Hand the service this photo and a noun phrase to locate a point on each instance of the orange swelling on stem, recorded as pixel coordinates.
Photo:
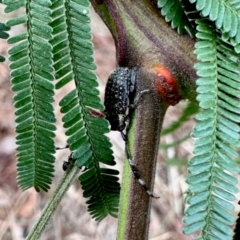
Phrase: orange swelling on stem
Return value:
(166, 85)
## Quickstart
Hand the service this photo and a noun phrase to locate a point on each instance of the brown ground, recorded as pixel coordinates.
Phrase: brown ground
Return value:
(19, 210)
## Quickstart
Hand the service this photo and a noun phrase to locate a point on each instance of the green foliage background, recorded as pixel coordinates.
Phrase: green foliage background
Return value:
(57, 46)
(212, 181)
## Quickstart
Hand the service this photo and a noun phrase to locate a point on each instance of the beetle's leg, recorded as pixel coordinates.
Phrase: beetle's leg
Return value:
(138, 176)
(124, 136)
(136, 99)
(132, 166)
(59, 148)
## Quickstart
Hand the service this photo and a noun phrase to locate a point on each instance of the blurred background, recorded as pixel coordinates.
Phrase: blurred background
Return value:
(19, 210)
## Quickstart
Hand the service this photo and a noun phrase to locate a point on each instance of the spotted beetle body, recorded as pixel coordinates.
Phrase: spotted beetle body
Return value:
(119, 96)
(120, 87)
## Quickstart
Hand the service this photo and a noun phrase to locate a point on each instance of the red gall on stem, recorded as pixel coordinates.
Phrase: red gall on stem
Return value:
(166, 85)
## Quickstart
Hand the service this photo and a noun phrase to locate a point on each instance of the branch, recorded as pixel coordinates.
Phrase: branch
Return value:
(144, 131)
(143, 38)
(52, 204)
(166, 60)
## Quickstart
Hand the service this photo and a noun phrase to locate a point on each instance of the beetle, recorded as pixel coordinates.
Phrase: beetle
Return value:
(119, 93)
(120, 97)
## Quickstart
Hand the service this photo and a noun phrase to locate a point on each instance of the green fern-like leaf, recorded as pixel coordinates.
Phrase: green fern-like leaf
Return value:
(32, 80)
(212, 182)
(180, 13)
(73, 61)
(225, 14)
(3, 35)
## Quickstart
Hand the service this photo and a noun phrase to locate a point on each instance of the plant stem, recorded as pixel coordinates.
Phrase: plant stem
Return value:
(143, 38)
(52, 204)
(143, 136)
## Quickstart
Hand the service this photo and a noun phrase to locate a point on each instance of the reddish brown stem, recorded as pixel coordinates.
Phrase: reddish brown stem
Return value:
(144, 39)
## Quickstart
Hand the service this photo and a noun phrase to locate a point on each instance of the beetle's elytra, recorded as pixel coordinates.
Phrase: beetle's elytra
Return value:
(119, 96)
(120, 87)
